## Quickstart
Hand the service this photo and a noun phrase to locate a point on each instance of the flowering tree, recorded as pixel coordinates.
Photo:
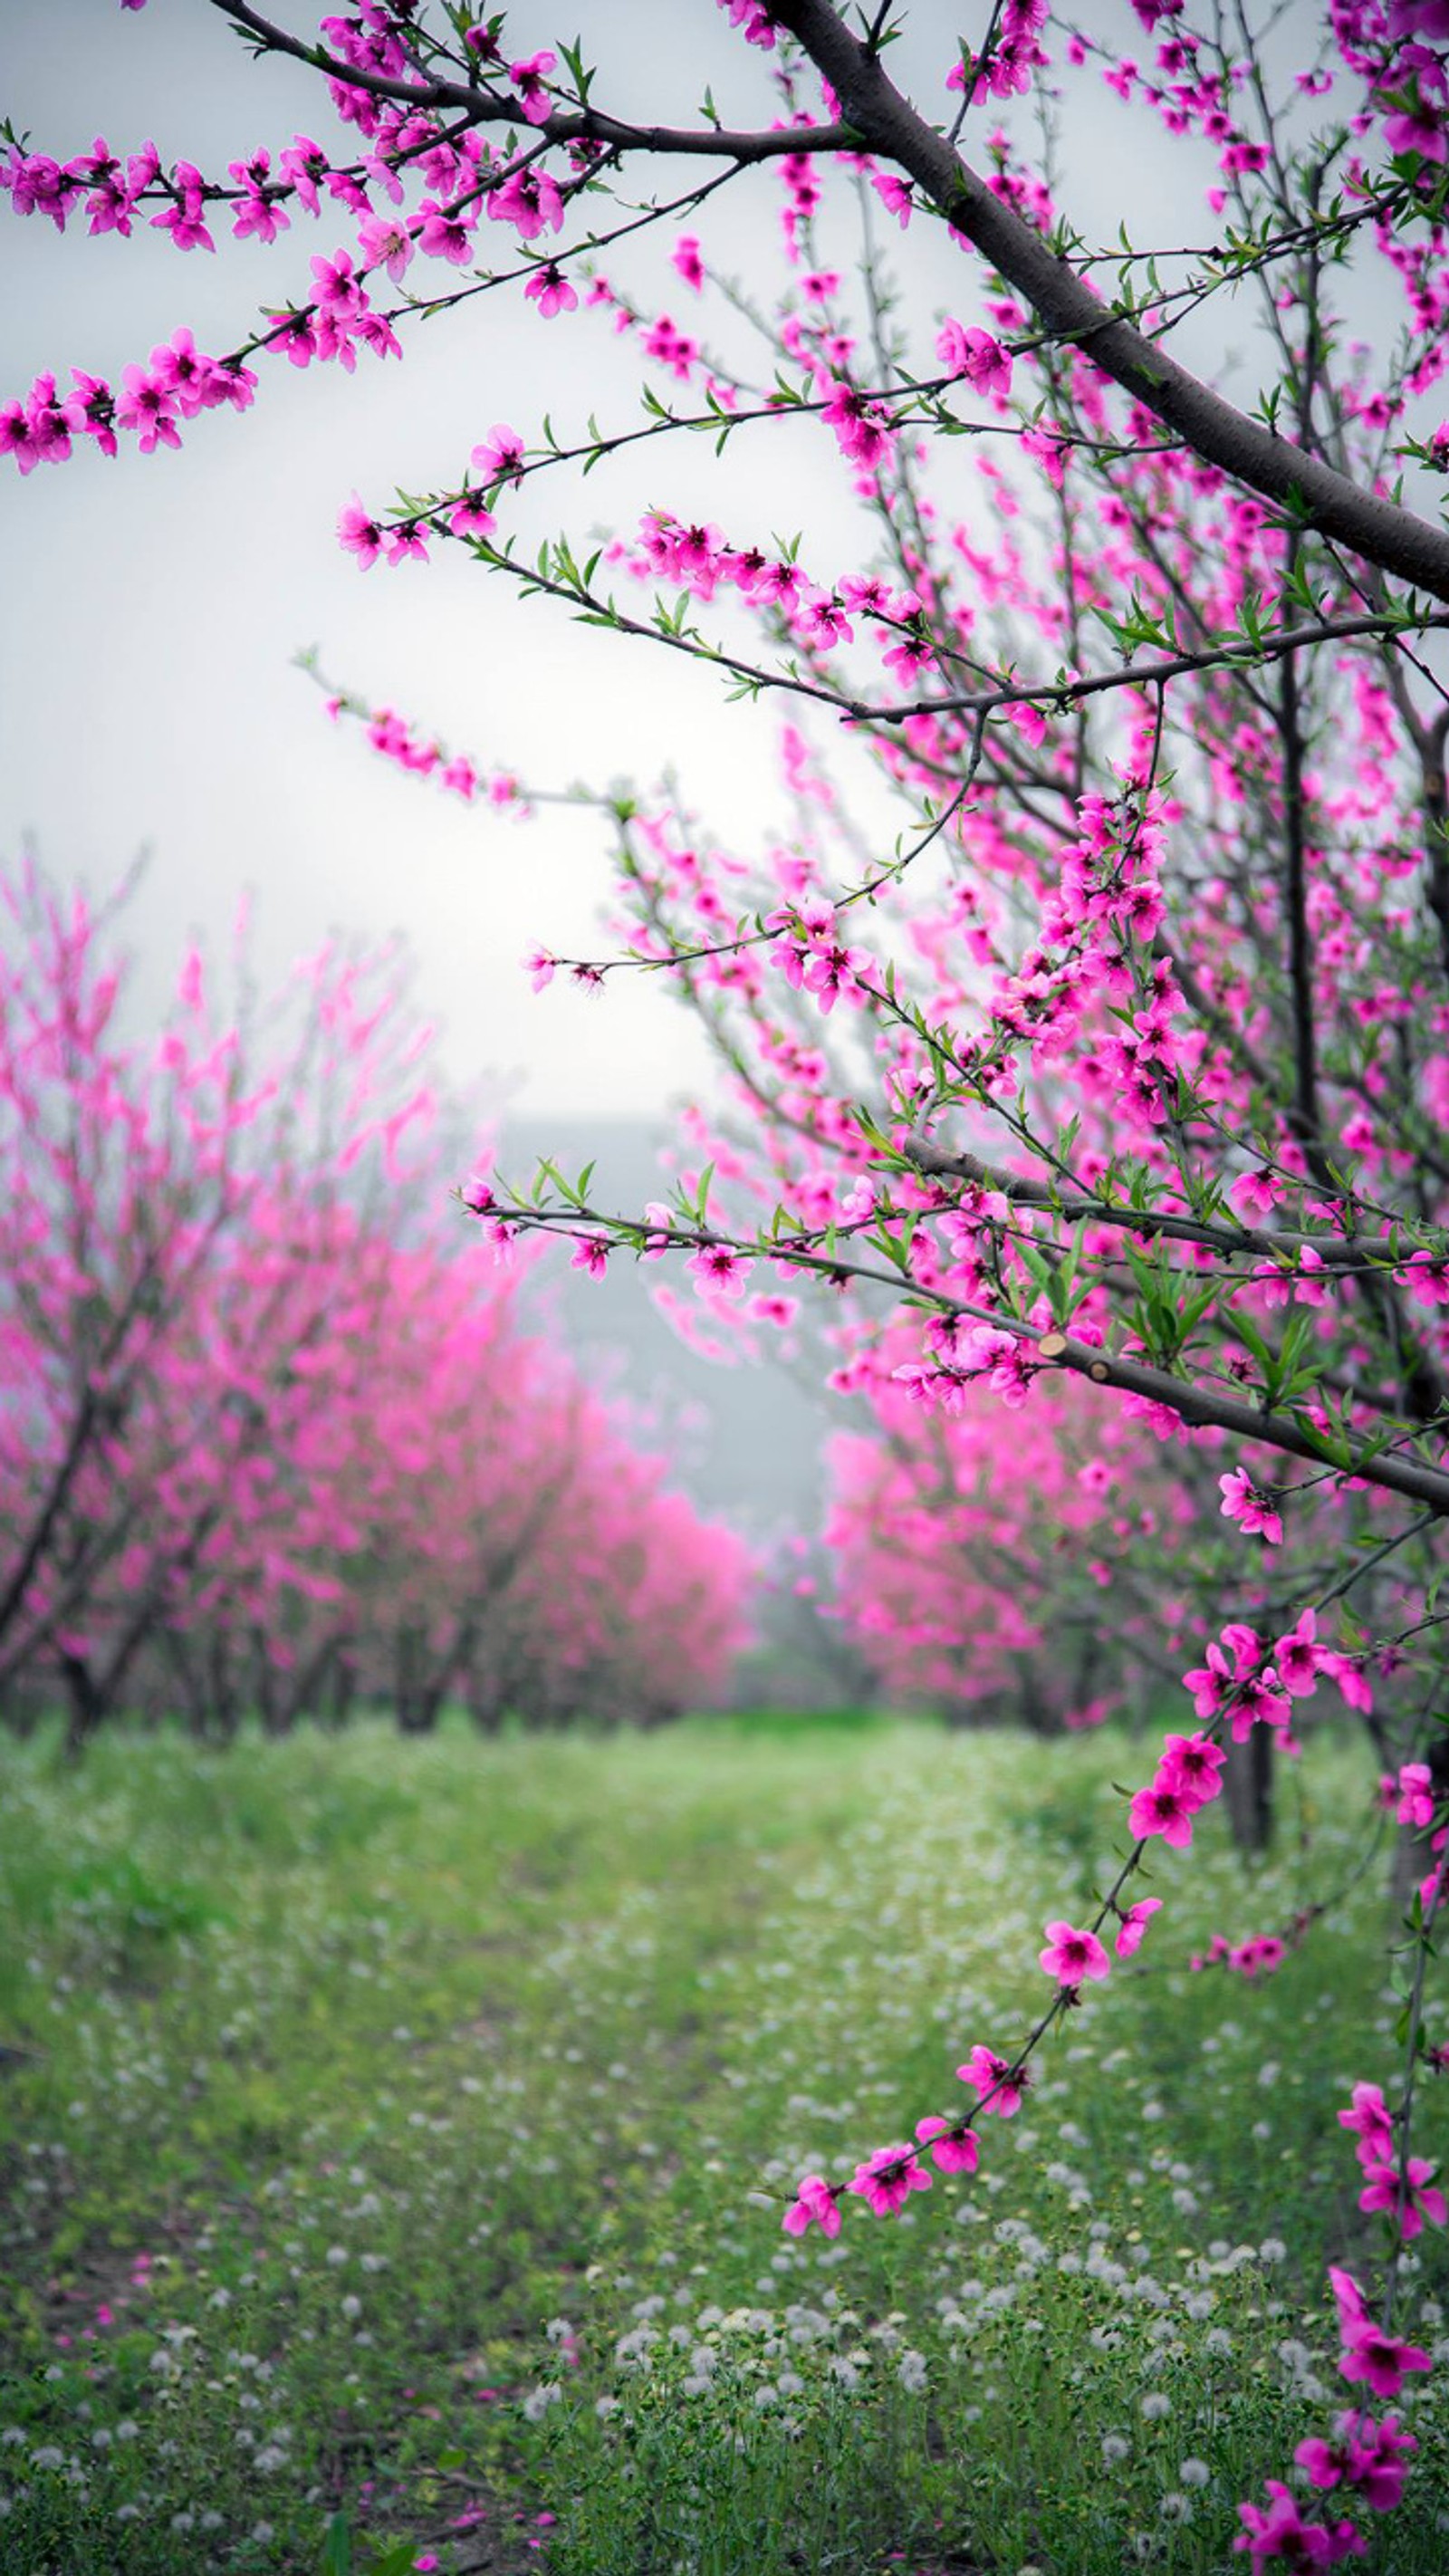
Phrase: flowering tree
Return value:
(254, 1441)
(1090, 1014)
(965, 1588)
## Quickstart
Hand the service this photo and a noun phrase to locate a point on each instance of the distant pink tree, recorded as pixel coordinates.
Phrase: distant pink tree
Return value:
(260, 1437)
(973, 1590)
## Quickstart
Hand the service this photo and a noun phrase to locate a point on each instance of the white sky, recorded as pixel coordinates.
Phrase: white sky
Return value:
(153, 603)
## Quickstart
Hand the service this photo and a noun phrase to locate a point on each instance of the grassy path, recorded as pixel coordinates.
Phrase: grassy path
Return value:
(381, 2123)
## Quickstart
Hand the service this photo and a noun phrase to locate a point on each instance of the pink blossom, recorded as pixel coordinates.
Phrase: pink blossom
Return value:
(530, 201)
(258, 214)
(386, 242)
(956, 2149)
(1370, 2352)
(1191, 1764)
(1254, 1195)
(895, 196)
(1253, 1511)
(686, 259)
(500, 456)
(999, 2083)
(1134, 1924)
(1071, 1955)
(1297, 1659)
(718, 1266)
(1416, 118)
(336, 289)
(1407, 2198)
(592, 1255)
(975, 355)
(528, 79)
(188, 374)
(1416, 1794)
(91, 410)
(38, 185)
(184, 218)
(541, 966)
(293, 336)
(1364, 2455)
(863, 429)
(1209, 1683)
(550, 290)
(469, 518)
(815, 2204)
(404, 541)
(1281, 2532)
(1162, 1808)
(359, 534)
(886, 2180)
(1371, 2120)
(1351, 1678)
(146, 406)
(443, 232)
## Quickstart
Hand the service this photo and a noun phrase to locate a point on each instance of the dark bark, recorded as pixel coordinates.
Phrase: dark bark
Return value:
(1248, 1783)
(1308, 490)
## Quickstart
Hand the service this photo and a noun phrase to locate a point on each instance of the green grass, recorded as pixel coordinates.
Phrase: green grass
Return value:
(439, 2083)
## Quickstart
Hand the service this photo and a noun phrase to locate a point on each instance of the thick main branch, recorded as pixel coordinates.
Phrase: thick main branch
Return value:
(1310, 492)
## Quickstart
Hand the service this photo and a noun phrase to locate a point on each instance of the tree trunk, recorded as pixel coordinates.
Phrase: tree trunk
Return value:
(1248, 1782)
(88, 1702)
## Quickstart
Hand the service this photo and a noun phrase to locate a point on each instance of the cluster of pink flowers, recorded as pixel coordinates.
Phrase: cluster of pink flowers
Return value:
(1187, 1778)
(1409, 1792)
(1258, 1956)
(179, 382)
(394, 738)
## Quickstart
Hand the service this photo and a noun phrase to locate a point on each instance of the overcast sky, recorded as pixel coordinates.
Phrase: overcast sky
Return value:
(153, 604)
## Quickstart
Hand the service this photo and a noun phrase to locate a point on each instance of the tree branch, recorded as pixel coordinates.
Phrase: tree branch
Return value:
(1304, 487)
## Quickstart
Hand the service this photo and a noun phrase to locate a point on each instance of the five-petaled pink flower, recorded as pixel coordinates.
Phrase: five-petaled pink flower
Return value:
(1191, 1763)
(887, 2179)
(1408, 2197)
(814, 2204)
(954, 2149)
(1370, 2352)
(999, 2083)
(550, 290)
(358, 533)
(976, 356)
(1253, 1195)
(1071, 1955)
(500, 456)
(1163, 1808)
(1253, 1511)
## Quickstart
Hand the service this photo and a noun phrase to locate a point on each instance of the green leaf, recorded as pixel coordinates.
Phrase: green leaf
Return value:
(396, 2560)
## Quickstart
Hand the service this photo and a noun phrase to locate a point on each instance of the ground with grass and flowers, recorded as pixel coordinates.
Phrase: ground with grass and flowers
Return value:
(396, 2138)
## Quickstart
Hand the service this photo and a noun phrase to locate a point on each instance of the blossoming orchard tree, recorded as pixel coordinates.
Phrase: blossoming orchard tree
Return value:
(263, 1442)
(1088, 1017)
